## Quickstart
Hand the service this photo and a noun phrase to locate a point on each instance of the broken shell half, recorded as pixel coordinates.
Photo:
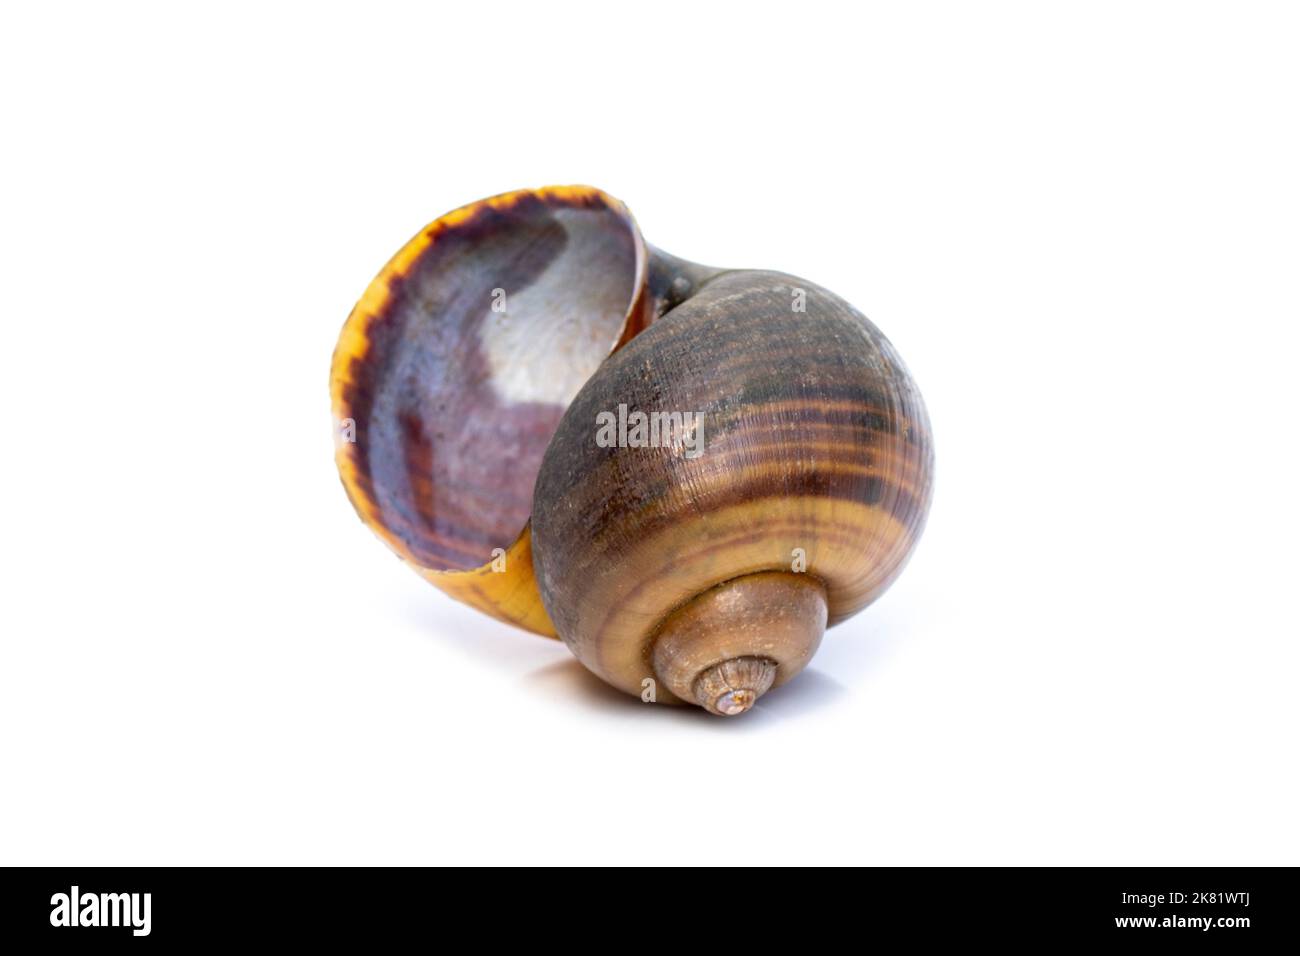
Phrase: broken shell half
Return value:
(454, 370)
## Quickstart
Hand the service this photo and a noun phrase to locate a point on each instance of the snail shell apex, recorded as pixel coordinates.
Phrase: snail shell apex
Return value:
(727, 647)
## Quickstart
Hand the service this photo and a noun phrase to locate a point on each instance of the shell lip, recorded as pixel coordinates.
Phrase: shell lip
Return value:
(355, 355)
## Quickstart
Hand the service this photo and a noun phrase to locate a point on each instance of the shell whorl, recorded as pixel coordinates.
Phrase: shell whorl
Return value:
(725, 648)
(816, 444)
(732, 687)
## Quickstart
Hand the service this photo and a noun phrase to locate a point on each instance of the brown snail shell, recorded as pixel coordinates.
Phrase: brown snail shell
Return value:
(649, 564)
(686, 571)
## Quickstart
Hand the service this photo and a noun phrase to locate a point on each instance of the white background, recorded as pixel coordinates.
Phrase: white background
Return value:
(1079, 224)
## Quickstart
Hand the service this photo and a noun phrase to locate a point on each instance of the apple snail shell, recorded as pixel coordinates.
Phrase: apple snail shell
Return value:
(470, 380)
(715, 574)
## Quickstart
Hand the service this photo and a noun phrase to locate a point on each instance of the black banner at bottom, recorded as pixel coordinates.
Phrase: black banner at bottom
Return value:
(138, 907)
